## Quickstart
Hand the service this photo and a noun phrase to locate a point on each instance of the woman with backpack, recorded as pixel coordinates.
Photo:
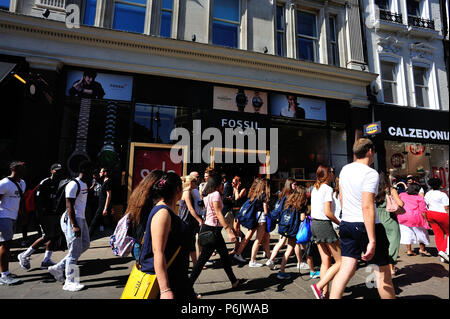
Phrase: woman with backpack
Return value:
(294, 212)
(322, 231)
(187, 213)
(167, 238)
(289, 187)
(239, 198)
(259, 196)
(212, 231)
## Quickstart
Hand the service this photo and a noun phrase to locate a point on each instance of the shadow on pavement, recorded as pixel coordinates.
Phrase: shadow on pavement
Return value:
(92, 267)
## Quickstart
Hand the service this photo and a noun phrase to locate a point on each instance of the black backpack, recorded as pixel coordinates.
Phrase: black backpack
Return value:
(60, 205)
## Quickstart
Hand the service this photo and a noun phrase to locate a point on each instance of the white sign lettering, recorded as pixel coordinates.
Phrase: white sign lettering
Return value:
(419, 133)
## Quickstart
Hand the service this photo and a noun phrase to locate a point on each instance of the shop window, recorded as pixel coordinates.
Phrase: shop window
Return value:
(389, 82)
(166, 18)
(226, 22)
(281, 30)
(333, 58)
(129, 15)
(89, 12)
(421, 86)
(153, 123)
(307, 38)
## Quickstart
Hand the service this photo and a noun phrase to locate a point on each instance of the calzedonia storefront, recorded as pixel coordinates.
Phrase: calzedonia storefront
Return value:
(413, 142)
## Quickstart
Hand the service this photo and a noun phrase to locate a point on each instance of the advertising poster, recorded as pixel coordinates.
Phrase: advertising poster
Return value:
(96, 85)
(287, 105)
(240, 100)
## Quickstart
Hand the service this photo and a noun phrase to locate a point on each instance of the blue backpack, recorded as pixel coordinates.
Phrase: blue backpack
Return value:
(304, 231)
(247, 214)
(289, 223)
(274, 215)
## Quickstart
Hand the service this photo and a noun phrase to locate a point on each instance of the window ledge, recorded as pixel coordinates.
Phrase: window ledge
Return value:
(55, 5)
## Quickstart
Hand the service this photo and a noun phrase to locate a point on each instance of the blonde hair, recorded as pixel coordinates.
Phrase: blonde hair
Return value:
(187, 180)
(260, 189)
(297, 199)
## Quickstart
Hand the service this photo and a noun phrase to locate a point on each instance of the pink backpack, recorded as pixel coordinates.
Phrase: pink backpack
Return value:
(120, 242)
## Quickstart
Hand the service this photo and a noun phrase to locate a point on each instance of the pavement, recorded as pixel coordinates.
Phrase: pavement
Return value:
(104, 276)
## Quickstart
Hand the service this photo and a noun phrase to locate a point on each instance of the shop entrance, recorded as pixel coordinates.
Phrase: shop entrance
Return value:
(243, 163)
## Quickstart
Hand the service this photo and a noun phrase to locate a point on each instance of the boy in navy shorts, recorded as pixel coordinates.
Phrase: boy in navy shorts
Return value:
(362, 235)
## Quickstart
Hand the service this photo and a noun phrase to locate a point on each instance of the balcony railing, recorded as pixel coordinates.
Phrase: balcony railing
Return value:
(390, 16)
(51, 4)
(419, 22)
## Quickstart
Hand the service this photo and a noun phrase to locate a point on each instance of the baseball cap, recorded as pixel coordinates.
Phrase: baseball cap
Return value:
(56, 167)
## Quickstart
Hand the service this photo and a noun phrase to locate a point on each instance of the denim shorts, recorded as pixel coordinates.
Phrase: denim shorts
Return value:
(7, 227)
(354, 242)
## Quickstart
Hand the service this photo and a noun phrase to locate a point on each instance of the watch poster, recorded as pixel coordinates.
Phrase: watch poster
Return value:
(289, 105)
(240, 100)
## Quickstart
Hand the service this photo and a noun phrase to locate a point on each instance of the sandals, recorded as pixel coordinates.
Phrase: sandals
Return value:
(394, 271)
(411, 254)
(239, 283)
(424, 254)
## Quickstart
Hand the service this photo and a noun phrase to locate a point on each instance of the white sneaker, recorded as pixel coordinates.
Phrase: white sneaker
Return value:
(209, 263)
(55, 272)
(302, 265)
(443, 255)
(24, 262)
(239, 258)
(73, 286)
(270, 264)
(9, 280)
(255, 264)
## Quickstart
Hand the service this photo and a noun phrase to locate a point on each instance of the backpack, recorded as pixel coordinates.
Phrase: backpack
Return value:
(304, 232)
(289, 223)
(30, 199)
(247, 214)
(60, 206)
(122, 244)
(273, 218)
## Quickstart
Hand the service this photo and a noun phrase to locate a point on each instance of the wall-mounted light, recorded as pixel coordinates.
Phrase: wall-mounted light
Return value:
(46, 13)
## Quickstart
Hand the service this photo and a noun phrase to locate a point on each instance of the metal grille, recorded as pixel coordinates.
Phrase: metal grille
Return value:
(391, 16)
(420, 22)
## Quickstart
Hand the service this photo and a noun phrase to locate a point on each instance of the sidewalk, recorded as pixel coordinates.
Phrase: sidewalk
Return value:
(105, 275)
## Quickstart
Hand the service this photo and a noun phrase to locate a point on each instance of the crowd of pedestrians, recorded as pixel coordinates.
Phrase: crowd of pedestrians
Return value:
(358, 215)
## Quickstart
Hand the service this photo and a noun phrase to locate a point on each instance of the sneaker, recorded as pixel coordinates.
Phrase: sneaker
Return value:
(283, 275)
(72, 286)
(9, 280)
(443, 255)
(270, 264)
(302, 265)
(24, 262)
(264, 254)
(254, 264)
(239, 258)
(442, 260)
(55, 272)
(47, 263)
(314, 274)
(209, 263)
(317, 293)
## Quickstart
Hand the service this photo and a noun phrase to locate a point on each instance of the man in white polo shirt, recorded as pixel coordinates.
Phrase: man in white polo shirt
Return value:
(362, 235)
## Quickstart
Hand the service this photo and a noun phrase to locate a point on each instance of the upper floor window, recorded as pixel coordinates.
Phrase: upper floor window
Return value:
(421, 86)
(382, 4)
(307, 39)
(281, 31)
(89, 12)
(4, 4)
(413, 7)
(333, 42)
(166, 18)
(129, 15)
(389, 82)
(226, 22)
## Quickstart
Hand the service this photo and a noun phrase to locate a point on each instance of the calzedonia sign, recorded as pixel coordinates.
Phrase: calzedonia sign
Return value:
(418, 133)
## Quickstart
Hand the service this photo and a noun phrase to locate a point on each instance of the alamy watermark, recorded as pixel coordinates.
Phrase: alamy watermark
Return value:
(72, 16)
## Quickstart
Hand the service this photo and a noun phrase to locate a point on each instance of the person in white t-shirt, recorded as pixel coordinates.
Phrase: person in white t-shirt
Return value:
(362, 235)
(322, 231)
(11, 194)
(75, 229)
(437, 215)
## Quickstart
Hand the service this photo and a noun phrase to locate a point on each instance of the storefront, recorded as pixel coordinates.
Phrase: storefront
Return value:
(413, 142)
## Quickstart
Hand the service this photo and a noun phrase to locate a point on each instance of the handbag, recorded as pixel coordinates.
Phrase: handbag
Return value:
(141, 285)
(392, 206)
(304, 231)
(206, 238)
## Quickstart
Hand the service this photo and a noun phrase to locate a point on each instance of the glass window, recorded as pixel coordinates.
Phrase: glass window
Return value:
(166, 18)
(307, 36)
(89, 12)
(421, 86)
(129, 15)
(334, 52)
(281, 43)
(153, 123)
(413, 7)
(388, 79)
(382, 4)
(4, 4)
(226, 23)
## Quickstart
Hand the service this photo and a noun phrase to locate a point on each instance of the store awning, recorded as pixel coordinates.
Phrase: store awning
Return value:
(5, 69)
